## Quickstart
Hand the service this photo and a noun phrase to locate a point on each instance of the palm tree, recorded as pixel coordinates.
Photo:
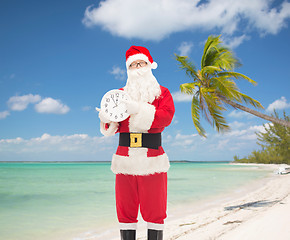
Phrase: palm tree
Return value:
(213, 87)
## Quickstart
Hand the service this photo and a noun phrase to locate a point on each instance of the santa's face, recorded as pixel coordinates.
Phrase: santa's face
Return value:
(138, 64)
(141, 83)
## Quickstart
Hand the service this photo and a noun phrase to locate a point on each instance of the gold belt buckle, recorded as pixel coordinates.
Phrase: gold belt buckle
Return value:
(135, 140)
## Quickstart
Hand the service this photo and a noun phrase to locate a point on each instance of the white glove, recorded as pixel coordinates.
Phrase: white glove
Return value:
(132, 106)
(102, 116)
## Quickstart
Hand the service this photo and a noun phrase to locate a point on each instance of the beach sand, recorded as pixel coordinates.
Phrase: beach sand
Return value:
(261, 213)
(260, 210)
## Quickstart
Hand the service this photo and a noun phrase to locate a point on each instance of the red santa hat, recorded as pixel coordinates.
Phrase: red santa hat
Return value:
(139, 53)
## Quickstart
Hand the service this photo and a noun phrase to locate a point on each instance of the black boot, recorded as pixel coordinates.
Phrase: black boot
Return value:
(155, 234)
(128, 234)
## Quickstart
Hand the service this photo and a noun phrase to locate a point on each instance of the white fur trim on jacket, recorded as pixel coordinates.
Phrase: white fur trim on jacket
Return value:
(139, 164)
(142, 120)
(111, 130)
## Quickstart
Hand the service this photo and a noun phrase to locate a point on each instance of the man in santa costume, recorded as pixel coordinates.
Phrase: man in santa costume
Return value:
(140, 163)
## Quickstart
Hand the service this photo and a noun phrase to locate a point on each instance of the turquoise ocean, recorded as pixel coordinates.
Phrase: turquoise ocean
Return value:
(70, 201)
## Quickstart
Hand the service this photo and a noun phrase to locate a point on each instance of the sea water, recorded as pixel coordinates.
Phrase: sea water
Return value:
(67, 200)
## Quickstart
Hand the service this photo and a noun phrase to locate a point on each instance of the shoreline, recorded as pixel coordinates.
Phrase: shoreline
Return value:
(256, 211)
(239, 216)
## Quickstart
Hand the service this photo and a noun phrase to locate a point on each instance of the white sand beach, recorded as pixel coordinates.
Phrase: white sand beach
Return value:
(263, 212)
(259, 211)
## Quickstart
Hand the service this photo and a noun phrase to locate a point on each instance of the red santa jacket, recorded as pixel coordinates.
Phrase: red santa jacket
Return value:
(151, 118)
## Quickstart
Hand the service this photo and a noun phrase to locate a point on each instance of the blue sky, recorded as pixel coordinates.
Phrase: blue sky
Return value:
(58, 58)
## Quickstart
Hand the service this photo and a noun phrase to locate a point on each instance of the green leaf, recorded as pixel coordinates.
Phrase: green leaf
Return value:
(236, 76)
(189, 88)
(195, 110)
(186, 65)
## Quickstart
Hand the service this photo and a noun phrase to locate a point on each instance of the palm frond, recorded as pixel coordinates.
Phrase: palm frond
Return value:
(216, 54)
(195, 115)
(226, 59)
(189, 88)
(214, 109)
(218, 120)
(210, 70)
(225, 87)
(186, 65)
(207, 56)
(211, 98)
(251, 101)
(240, 98)
(236, 76)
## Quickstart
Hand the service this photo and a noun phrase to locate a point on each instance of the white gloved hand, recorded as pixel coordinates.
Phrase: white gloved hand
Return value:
(132, 106)
(102, 116)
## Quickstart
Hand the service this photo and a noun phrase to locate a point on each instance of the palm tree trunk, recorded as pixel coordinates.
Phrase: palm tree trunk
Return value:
(256, 113)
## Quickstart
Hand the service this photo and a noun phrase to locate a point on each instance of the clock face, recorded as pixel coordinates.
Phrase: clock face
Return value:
(113, 107)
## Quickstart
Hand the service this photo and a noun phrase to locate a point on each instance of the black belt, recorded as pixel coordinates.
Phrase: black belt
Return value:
(137, 140)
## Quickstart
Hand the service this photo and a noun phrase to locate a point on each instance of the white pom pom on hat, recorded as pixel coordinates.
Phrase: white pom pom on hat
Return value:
(154, 65)
(135, 53)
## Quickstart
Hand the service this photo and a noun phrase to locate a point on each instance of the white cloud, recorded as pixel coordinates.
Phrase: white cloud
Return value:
(4, 114)
(185, 48)
(221, 144)
(184, 141)
(20, 103)
(54, 147)
(181, 97)
(278, 105)
(50, 105)
(236, 125)
(239, 114)
(118, 73)
(155, 20)
(86, 108)
(233, 42)
(240, 141)
(248, 133)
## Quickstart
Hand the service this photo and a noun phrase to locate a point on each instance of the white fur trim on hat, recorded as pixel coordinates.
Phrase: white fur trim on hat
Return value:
(140, 56)
(139, 164)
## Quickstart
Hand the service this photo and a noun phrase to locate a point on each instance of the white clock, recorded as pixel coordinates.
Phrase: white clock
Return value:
(113, 107)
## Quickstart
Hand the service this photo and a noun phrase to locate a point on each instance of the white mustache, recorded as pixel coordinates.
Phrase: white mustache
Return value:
(138, 72)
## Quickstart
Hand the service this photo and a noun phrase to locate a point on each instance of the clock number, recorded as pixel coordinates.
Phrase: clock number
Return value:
(111, 114)
(117, 95)
(122, 115)
(107, 99)
(116, 117)
(106, 111)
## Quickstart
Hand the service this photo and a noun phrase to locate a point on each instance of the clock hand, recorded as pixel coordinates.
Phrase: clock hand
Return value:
(114, 102)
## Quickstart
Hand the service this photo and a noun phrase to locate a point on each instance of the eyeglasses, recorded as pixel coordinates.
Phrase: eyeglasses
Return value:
(135, 64)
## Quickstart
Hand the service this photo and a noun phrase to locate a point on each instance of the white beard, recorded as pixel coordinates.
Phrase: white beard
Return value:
(142, 85)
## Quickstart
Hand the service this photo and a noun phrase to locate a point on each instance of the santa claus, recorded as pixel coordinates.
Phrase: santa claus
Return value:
(140, 163)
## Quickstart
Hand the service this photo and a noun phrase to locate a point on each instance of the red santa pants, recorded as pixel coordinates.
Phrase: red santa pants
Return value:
(149, 192)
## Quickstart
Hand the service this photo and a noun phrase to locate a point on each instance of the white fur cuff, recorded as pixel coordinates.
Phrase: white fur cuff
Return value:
(128, 226)
(155, 226)
(142, 121)
(111, 130)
